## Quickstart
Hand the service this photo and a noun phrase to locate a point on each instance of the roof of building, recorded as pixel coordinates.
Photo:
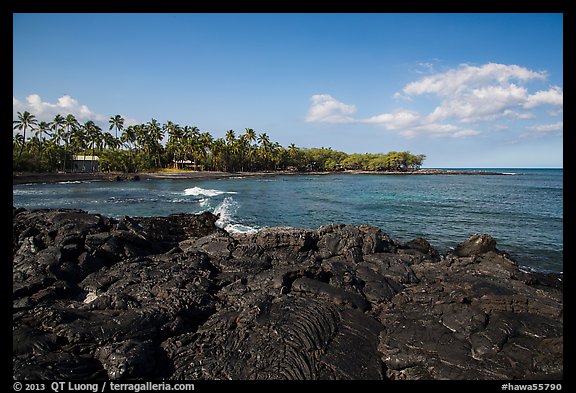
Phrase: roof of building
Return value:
(85, 158)
(183, 161)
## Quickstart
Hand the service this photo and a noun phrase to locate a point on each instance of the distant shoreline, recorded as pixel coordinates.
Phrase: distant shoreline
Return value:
(24, 178)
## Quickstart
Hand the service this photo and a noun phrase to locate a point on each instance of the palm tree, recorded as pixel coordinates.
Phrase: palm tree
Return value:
(174, 143)
(243, 147)
(116, 122)
(42, 129)
(250, 135)
(128, 138)
(17, 140)
(57, 124)
(265, 149)
(93, 135)
(218, 148)
(25, 121)
(190, 144)
(59, 134)
(78, 139)
(141, 137)
(155, 136)
(204, 142)
(52, 150)
(231, 149)
(71, 125)
(277, 155)
(109, 141)
(292, 154)
(230, 137)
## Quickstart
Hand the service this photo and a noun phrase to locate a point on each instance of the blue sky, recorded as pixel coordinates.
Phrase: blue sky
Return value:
(467, 90)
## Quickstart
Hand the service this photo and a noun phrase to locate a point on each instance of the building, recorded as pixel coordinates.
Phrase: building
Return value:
(187, 164)
(84, 164)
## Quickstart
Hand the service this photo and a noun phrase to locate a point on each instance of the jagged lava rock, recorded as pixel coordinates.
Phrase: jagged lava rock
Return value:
(177, 297)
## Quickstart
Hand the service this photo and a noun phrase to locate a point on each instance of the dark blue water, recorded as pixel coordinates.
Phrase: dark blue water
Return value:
(522, 210)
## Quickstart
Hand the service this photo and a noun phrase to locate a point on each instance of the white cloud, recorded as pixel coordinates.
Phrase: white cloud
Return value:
(326, 109)
(437, 130)
(472, 94)
(426, 64)
(45, 111)
(468, 77)
(130, 121)
(464, 133)
(540, 131)
(400, 96)
(481, 104)
(552, 96)
(397, 120)
(548, 128)
(467, 95)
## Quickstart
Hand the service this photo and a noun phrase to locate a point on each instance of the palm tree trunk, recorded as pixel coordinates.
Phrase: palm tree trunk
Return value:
(23, 143)
(92, 159)
(64, 163)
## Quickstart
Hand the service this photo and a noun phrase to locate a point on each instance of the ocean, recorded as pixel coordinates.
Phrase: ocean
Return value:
(522, 209)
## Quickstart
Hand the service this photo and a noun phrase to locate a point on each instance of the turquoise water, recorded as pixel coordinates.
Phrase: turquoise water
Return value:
(523, 209)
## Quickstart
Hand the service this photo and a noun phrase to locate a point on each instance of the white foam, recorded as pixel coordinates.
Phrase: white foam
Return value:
(227, 210)
(180, 200)
(239, 228)
(70, 182)
(201, 191)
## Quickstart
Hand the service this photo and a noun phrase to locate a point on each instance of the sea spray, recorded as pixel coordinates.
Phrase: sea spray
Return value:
(226, 211)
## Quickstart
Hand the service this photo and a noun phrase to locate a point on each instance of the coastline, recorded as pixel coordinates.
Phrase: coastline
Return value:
(25, 178)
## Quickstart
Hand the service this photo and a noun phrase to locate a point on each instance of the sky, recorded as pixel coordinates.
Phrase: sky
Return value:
(466, 90)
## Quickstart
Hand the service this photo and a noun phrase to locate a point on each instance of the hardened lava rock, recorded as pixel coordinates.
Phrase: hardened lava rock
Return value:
(156, 298)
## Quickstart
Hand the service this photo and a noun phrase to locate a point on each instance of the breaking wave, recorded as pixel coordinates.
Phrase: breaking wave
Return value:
(227, 210)
(197, 191)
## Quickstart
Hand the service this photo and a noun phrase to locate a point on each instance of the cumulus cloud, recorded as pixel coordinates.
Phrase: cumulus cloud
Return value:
(473, 94)
(466, 77)
(467, 96)
(486, 103)
(46, 111)
(326, 109)
(553, 96)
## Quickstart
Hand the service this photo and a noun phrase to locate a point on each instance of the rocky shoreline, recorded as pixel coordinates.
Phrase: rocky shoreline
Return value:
(177, 298)
(25, 178)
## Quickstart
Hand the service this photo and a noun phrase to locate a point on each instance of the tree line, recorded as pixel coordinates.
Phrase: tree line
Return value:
(41, 146)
